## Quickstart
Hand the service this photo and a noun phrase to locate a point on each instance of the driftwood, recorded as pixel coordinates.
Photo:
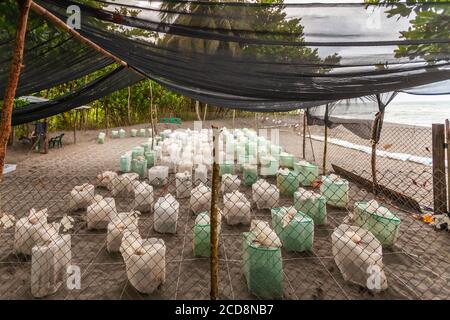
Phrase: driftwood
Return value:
(397, 197)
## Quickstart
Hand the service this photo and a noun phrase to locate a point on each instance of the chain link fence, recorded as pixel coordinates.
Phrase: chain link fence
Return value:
(285, 232)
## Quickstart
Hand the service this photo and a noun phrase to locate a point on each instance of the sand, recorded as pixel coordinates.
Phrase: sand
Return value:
(417, 266)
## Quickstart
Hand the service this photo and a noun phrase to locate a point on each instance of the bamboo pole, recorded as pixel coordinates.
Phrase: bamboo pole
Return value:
(13, 79)
(214, 262)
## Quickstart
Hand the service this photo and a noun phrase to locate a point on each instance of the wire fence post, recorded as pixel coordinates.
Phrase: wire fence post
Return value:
(439, 179)
(214, 218)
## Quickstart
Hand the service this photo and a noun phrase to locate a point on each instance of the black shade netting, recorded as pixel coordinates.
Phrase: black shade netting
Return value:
(51, 56)
(100, 87)
(272, 57)
(356, 115)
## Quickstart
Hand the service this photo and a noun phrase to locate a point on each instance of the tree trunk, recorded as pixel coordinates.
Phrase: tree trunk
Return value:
(106, 115)
(13, 80)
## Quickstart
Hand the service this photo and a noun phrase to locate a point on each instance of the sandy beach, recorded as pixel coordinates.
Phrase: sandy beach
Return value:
(417, 266)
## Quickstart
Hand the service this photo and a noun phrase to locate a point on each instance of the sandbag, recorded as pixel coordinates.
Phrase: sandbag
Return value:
(312, 204)
(250, 174)
(226, 167)
(265, 195)
(286, 160)
(100, 213)
(133, 133)
(287, 181)
(269, 166)
(230, 183)
(358, 254)
(139, 166)
(105, 179)
(33, 230)
(200, 199)
(183, 184)
(166, 214)
(202, 234)
(122, 134)
(237, 208)
(114, 134)
(143, 197)
(49, 264)
(145, 261)
(116, 228)
(81, 196)
(142, 132)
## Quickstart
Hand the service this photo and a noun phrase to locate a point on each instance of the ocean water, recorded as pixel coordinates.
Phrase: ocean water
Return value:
(420, 112)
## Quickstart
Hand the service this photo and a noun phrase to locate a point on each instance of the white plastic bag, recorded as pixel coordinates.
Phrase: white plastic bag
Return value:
(123, 184)
(158, 175)
(145, 261)
(143, 197)
(264, 235)
(100, 212)
(265, 195)
(116, 228)
(183, 184)
(105, 179)
(166, 214)
(49, 264)
(230, 183)
(81, 197)
(359, 257)
(201, 174)
(200, 200)
(236, 209)
(33, 230)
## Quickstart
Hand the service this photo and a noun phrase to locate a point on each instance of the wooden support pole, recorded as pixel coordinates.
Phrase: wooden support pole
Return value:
(204, 113)
(59, 23)
(439, 177)
(106, 115)
(447, 129)
(374, 142)
(325, 143)
(234, 117)
(75, 127)
(304, 134)
(13, 79)
(214, 294)
(129, 105)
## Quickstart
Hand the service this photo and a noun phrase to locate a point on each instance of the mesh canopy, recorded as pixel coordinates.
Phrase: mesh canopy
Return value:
(102, 86)
(273, 57)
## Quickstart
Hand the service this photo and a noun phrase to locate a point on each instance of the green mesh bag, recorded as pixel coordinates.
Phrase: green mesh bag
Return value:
(125, 163)
(137, 152)
(384, 227)
(139, 166)
(287, 181)
(250, 174)
(263, 268)
(335, 191)
(150, 157)
(101, 138)
(133, 132)
(226, 167)
(298, 234)
(202, 233)
(308, 172)
(315, 207)
(286, 160)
